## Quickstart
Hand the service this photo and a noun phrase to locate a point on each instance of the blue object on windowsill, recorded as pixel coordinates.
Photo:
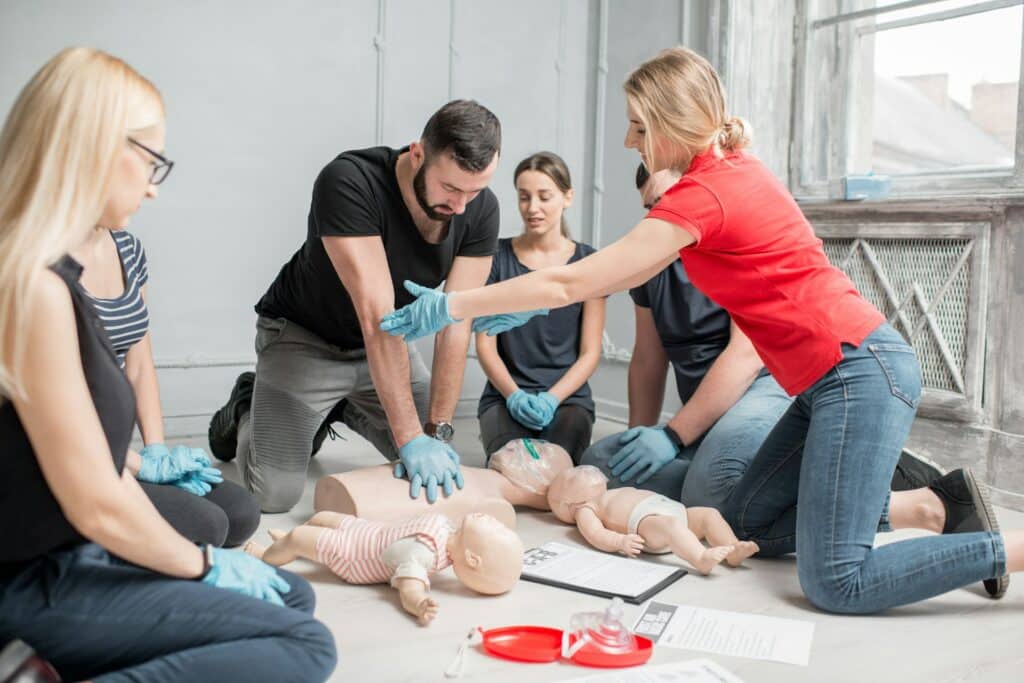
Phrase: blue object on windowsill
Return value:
(870, 186)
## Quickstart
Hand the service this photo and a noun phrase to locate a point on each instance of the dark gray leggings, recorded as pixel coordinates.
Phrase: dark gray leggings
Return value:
(571, 429)
(226, 516)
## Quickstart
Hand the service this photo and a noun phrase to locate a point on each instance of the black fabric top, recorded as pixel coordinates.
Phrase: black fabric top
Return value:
(357, 194)
(538, 353)
(33, 521)
(693, 329)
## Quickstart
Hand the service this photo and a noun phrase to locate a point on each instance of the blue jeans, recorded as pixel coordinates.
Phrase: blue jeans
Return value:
(838, 446)
(704, 473)
(96, 617)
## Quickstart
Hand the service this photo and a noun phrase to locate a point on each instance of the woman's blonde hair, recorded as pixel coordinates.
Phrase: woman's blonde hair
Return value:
(58, 150)
(678, 96)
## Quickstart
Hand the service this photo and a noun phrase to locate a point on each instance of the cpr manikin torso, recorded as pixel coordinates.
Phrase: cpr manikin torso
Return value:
(518, 473)
(630, 520)
(487, 555)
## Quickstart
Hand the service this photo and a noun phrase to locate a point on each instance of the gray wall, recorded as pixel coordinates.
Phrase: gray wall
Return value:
(261, 95)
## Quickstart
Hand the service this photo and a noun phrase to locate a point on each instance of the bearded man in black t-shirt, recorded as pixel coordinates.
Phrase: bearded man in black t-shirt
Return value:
(378, 217)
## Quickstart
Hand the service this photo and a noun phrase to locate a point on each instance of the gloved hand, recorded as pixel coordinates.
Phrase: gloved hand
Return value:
(200, 482)
(237, 571)
(426, 315)
(643, 451)
(502, 322)
(161, 465)
(543, 405)
(428, 462)
(522, 410)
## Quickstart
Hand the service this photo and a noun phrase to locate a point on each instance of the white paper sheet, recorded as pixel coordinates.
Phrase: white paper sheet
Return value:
(592, 570)
(726, 633)
(690, 671)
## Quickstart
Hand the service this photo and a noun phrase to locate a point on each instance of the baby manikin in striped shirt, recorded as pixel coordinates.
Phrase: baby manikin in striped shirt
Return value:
(486, 555)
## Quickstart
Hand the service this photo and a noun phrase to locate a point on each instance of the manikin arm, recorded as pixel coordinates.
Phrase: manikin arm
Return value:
(597, 535)
(416, 600)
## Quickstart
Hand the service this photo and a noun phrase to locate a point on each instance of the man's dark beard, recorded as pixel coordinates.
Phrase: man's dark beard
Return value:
(419, 188)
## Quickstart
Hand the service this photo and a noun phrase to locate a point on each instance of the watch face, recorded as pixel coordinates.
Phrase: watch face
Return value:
(444, 431)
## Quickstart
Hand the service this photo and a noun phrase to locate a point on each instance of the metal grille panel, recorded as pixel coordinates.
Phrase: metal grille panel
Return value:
(923, 288)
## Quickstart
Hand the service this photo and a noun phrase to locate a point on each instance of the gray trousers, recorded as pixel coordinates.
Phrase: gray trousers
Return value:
(299, 379)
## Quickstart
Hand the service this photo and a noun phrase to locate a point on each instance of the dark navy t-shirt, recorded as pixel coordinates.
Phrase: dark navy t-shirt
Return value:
(538, 353)
(357, 195)
(693, 329)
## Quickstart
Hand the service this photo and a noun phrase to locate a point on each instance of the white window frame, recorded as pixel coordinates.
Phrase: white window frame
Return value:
(828, 26)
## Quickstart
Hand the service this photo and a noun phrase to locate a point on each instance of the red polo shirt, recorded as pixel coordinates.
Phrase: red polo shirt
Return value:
(758, 258)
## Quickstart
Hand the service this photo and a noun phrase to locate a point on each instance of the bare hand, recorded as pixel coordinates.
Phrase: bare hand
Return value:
(426, 610)
(631, 545)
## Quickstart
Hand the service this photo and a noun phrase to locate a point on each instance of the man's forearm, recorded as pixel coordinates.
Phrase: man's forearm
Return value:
(646, 393)
(726, 381)
(388, 358)
(450, 348)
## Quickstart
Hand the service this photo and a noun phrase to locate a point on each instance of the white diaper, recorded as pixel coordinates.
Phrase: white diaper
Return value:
(655, 505)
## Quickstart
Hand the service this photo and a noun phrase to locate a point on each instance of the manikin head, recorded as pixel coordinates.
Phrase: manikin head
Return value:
(530, 464)
(486, 555)
(573, 488)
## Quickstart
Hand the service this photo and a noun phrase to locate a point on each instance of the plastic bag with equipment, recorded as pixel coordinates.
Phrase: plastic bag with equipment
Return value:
(602, 639)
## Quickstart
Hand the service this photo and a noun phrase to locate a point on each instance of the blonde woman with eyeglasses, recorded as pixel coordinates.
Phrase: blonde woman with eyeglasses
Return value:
(856, 382)
(91, 575)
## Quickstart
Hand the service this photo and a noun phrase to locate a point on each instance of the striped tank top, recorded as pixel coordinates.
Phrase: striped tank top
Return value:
(353, 551)
(126, 318)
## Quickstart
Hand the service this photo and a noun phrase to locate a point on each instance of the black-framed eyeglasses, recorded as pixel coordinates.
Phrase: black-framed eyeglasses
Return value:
(161, 166)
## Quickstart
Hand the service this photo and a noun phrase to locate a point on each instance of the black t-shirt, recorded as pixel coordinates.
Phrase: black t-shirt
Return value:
(357, 195)
(693, 329)
(24, 494)
(538, 353)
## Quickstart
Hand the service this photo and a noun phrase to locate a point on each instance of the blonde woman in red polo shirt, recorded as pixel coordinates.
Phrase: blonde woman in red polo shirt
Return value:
(745, 243)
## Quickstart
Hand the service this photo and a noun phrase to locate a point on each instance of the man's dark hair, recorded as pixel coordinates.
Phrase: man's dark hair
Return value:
(465, 129)
(642, 176)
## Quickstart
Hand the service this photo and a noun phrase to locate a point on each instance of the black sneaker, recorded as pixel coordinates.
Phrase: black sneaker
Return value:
(967, 510)
(224, 423)
(19, 663)
(914, 471)
(326, 429)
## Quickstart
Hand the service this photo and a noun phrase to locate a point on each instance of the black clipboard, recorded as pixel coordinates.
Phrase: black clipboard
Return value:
(631, 598)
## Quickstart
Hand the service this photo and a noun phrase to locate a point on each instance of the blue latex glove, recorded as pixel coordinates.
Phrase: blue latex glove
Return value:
(161, 465)
(197, 454)
(428, 463)
(502, 322)
(237, 571)
(543, 405)
(522, 411)
(643, 451)
(200, 482)
(427, 315)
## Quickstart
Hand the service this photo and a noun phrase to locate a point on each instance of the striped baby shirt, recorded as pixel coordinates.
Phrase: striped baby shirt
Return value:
(354, 551)
(126, 318)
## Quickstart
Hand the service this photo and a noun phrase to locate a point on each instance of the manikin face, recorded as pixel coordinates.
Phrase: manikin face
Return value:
(486, 555)
(657, 185)
(663, 151)
(541, 202)
(517, 462)
(442, 187)
(132, 171)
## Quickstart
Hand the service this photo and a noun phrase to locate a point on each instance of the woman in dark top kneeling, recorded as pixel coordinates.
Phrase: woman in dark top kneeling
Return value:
(538, 372)
(91, 576)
